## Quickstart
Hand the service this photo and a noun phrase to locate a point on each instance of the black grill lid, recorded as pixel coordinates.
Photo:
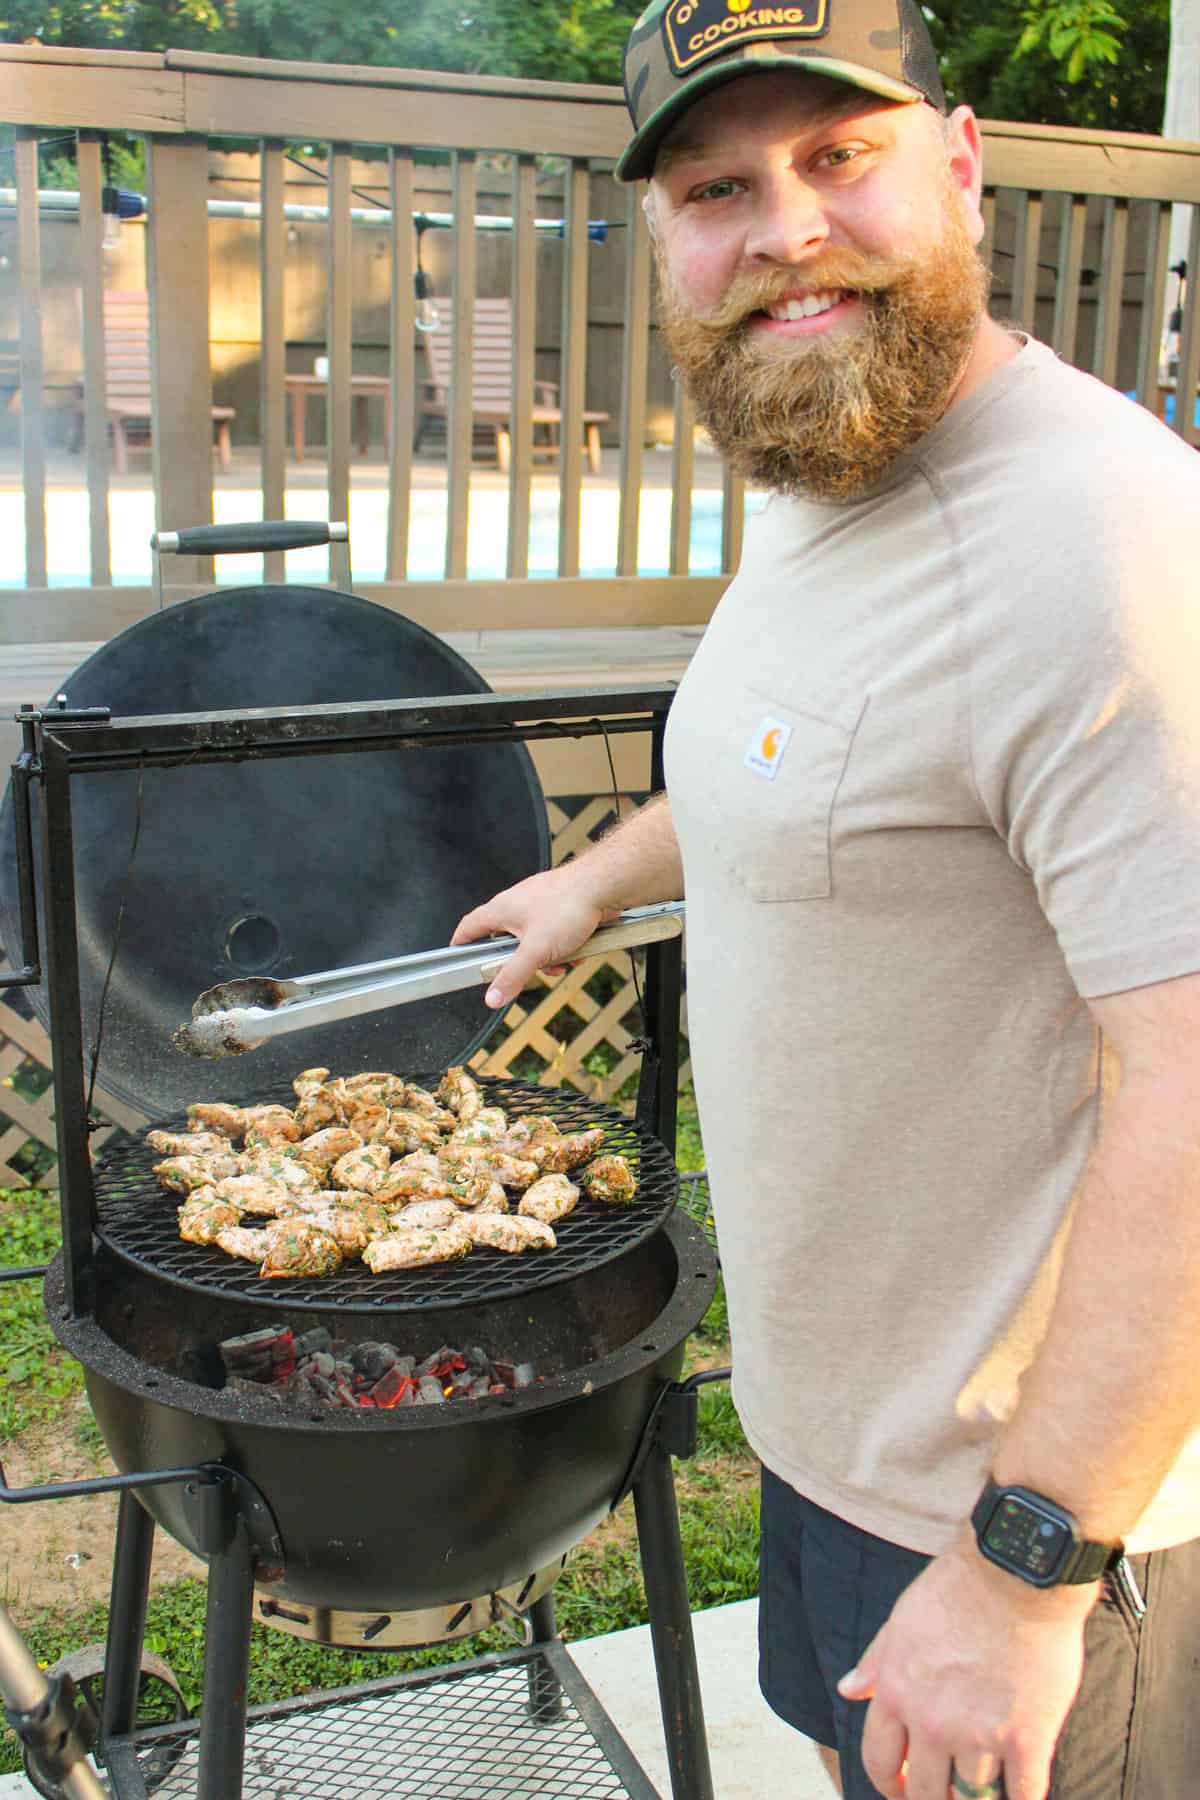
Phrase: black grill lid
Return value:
(137, 1219)
(280, 867)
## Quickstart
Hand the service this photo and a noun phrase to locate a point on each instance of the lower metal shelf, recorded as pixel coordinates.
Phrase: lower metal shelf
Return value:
(519, 1725)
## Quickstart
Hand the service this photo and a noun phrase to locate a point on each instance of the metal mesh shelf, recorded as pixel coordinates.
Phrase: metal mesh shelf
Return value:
(466, 1731)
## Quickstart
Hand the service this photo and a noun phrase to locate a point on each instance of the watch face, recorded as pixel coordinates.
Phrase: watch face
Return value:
(1027, 1539)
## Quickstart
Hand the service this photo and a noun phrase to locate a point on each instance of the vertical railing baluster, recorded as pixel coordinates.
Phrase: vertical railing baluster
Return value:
(987, 247)
(635, 365)
(574, 364)
(524, 350)
(1112, 280)
(683, 470)
(1154, 300)
(177, 261)
(460, 422)
(402, 392)
(272, 330)
(1188, 373)
(91, 305)
(1026, 248)
(733, 520)
(339, 343)
(1071, 231)
(33, 405)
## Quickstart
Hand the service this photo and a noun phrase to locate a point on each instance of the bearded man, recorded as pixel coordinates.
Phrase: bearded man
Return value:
(933, 791)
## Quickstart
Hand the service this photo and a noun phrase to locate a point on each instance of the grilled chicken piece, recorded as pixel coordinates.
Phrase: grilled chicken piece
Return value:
(351, 1227)
(256, 1194)
(295, 1246)
(413, 1248)
(405, 1184)
(524, 1136)
(319, 1107)
(485, 1159)
(483, 1195)
(183, 1173)
(461, 1093)
(365, 1168)
(432, 1214)
(549, 1199)
(188, 1143)
(409, 1131)
(308, 1080)
(202, 1217)
(609, 1179)
(370, 1119)
(270, 1122)
(375, 1088)
(420, 1100)
(559, 1154)
(276, 1165)
(215, 1115)
(513, 1233)
(420, 1159)
(241, 1240)
(489, 1126)
(320, 1151)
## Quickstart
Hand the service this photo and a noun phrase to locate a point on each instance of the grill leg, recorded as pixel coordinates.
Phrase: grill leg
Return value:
(127, 1617)
(545, 1689)
(226, 1668)
(671, 1629)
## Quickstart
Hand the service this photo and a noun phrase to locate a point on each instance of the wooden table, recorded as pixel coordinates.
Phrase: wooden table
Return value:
(301, 388)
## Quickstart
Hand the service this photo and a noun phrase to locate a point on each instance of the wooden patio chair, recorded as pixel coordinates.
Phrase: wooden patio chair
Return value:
(491, 388)
(127, 378)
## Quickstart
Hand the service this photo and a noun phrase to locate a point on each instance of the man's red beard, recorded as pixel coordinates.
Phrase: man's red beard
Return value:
(828, 415)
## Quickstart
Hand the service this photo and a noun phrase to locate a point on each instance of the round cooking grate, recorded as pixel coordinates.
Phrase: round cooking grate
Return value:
(137, 1219)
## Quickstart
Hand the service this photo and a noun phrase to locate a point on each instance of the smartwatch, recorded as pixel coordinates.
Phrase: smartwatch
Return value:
(1038, 1540)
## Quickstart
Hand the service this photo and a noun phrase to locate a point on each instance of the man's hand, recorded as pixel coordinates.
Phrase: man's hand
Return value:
(974, 1671)
(552, 914)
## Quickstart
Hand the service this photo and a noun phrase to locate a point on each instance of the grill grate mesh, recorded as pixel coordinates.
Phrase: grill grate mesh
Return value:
(137, 1219)
(452, 1737)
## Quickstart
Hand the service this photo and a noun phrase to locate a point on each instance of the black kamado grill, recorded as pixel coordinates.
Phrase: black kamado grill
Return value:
(303, 804)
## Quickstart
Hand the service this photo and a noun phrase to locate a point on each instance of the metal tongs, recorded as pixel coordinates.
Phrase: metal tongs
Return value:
(236, 1016)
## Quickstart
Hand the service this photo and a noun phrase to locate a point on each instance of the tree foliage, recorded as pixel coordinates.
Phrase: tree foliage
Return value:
(1057, 62)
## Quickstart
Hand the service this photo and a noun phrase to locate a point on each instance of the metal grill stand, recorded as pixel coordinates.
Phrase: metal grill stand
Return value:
(208, 1761)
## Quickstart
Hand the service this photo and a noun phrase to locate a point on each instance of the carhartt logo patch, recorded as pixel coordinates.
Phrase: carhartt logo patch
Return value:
(694, 30)
(765, 750)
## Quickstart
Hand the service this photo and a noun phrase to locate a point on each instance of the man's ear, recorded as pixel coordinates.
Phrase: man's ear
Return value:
(648, 211)
(964, 162)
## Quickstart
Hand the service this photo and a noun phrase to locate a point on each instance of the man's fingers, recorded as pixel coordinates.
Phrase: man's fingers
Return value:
(884, 1748)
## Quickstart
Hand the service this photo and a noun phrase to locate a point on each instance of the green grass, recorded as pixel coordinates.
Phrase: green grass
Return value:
(600, 1592)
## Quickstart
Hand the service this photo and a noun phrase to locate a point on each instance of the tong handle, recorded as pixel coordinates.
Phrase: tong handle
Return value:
(249, 535)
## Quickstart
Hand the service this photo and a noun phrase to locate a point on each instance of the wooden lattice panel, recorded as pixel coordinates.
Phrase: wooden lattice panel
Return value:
(588, 1015)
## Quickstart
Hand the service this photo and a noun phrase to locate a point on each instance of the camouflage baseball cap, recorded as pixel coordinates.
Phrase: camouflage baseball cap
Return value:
(679, 49)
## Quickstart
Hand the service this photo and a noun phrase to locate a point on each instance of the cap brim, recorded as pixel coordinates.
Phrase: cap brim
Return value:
(637, 159)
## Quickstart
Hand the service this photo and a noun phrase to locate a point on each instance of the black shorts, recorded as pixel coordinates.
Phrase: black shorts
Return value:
(826, 1588)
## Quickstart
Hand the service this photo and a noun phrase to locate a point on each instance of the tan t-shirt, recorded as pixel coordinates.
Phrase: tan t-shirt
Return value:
(935, 774)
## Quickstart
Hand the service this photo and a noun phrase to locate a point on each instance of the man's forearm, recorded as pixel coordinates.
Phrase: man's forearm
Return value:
(638, 862)
(1115, 1388)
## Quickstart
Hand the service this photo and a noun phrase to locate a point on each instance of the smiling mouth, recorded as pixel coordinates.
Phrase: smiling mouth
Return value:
(809, 307)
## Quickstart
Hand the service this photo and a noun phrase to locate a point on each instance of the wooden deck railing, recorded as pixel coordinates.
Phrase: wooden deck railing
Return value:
(1078, 229)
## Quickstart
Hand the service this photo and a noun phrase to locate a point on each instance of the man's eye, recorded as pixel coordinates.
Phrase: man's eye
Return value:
(840, 155)
(715, 190)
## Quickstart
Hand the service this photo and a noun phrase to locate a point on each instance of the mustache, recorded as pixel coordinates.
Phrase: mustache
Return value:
(749, 293)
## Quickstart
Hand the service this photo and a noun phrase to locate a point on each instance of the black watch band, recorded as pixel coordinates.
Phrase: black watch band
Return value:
(1037, 1540)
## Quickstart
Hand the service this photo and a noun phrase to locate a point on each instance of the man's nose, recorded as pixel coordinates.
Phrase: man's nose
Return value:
(789, 222)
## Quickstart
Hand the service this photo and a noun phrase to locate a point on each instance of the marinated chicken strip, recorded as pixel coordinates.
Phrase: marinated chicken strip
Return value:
(526, 1135)
(320, 1151)
(365, 1168)
(483, 1195)
(403, 1185)
(484, 1159)
(296, 1176)
(420, 1159)
(489, 1126)
(414, 1248)
(375, 1088)
(420, 1100)
(215, 1115)
(256, 1194)
(183, 1173)
(202, 1217)
(568, 1152)
(461, 1093)
(549, 1199)
(318, 1108)
(297, 1247)
(241, 1240)
(188, 1143)
(371, 1121)
(609, 1179)
(512, 1233)
(432, 1214)
(409, 1131)
(352, 1228)
(308, 1080)
(270, 1122)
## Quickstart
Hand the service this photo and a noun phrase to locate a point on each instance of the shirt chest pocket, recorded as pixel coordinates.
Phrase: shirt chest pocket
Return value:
(781, 824)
